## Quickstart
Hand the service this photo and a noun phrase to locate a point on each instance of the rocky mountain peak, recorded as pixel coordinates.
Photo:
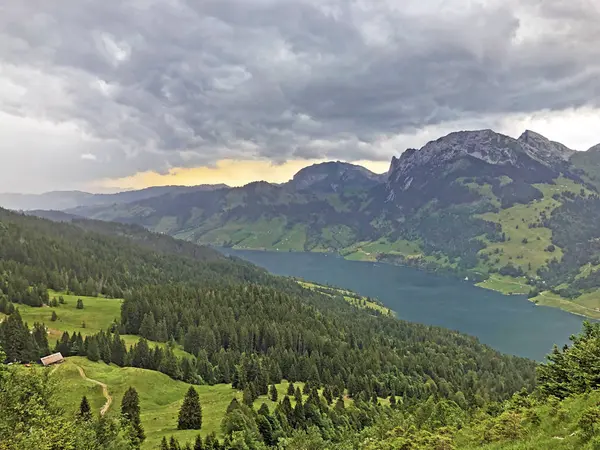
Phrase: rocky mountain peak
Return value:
(543, 149)
(485, 145)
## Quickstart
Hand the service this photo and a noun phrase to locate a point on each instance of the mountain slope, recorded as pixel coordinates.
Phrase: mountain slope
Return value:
(332, 177)
(238, 325)
(476, 203)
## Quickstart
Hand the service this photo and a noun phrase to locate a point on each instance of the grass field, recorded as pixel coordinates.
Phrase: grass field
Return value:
(160, 396)
(98, 314)
(363, 303)
(526, 247)
(586, 305)
(506, 285)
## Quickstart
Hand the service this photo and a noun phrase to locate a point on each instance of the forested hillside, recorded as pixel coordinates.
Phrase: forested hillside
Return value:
(238, 324)
(477, 204)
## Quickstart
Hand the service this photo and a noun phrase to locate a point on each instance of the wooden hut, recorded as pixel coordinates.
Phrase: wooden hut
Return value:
(55, 358)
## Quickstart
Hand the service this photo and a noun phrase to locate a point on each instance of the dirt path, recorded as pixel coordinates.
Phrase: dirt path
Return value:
(105, 393)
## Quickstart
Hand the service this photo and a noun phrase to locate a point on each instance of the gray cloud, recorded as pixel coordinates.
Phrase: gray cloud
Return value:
(150, 85)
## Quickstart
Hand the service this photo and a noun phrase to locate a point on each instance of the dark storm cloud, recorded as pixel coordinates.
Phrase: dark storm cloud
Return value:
(159, 84)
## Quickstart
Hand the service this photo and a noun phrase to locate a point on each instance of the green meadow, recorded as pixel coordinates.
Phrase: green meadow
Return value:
(160, 397)
(98, 313)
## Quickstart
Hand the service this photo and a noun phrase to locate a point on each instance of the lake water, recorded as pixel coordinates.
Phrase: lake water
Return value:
(510, 324)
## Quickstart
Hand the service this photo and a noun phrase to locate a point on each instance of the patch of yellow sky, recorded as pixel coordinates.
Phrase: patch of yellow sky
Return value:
(227, 171)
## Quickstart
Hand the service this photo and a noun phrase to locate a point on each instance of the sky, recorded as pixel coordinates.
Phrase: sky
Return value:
(101, 95)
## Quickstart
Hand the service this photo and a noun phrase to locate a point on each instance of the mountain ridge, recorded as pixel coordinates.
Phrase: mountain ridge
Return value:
(474, 203)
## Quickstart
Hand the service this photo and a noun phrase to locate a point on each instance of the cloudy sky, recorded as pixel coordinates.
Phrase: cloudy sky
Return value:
(99, 94)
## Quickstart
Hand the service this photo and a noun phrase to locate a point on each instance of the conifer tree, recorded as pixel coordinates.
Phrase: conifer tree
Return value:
(291, 389)
(298, 395)
(85, 411)
(306, 388)
(54, 316)
(198, 444)
(273, 394)
(263, 410)
(164, 445)
(248, 396)
(234, 404)
(190, 415)
(393, 403)
(130, 413)
(18, 343)
(327, 395)
(148, 327)
(174, 444)
(118, 350)
(93, 352)
(79, 303)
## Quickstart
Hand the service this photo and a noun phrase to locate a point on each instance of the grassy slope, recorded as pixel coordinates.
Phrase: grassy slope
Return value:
(350, 297)
(160, 396)
(98, 314)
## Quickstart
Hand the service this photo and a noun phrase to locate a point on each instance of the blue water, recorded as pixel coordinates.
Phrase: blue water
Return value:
(510, 324)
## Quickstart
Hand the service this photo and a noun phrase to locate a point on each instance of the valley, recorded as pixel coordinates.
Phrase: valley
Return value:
(477, 204)
(364, 291)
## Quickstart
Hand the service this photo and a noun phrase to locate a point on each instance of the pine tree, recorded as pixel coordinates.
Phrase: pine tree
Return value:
(190, 414)
(248, 396)
(164, 445)
(198, 444)
(85, 411)
(265, 429)
(393, 403)
(54, 316)
(298, 395)
(93, 352)
(306, 388)
(327, 395)
(273, 394)
(291, 390)
(19, 344)
(263, 410)
(234, 404)
(130, 412)
(174, 444)
(148, 327)
(79, 303)
(118, 350)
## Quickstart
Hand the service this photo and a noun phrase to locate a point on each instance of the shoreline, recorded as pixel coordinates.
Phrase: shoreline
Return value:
(545, 298)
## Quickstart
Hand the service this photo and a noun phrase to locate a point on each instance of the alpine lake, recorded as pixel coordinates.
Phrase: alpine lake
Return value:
(510, 324)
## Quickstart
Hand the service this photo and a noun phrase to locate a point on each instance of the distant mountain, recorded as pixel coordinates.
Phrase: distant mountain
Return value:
(587, 164)
(476, 203)
(63, 200)
(334, 177)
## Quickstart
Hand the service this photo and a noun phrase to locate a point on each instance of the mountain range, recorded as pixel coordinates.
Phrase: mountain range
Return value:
(517, 215)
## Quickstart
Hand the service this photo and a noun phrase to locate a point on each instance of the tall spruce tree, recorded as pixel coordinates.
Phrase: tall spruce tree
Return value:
(190, 414)
(198, 444)
(273, 394)
(85, 411)
(130, 413)
(93, 351)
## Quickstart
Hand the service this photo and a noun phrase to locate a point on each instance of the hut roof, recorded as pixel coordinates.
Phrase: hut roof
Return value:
(52, 359)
